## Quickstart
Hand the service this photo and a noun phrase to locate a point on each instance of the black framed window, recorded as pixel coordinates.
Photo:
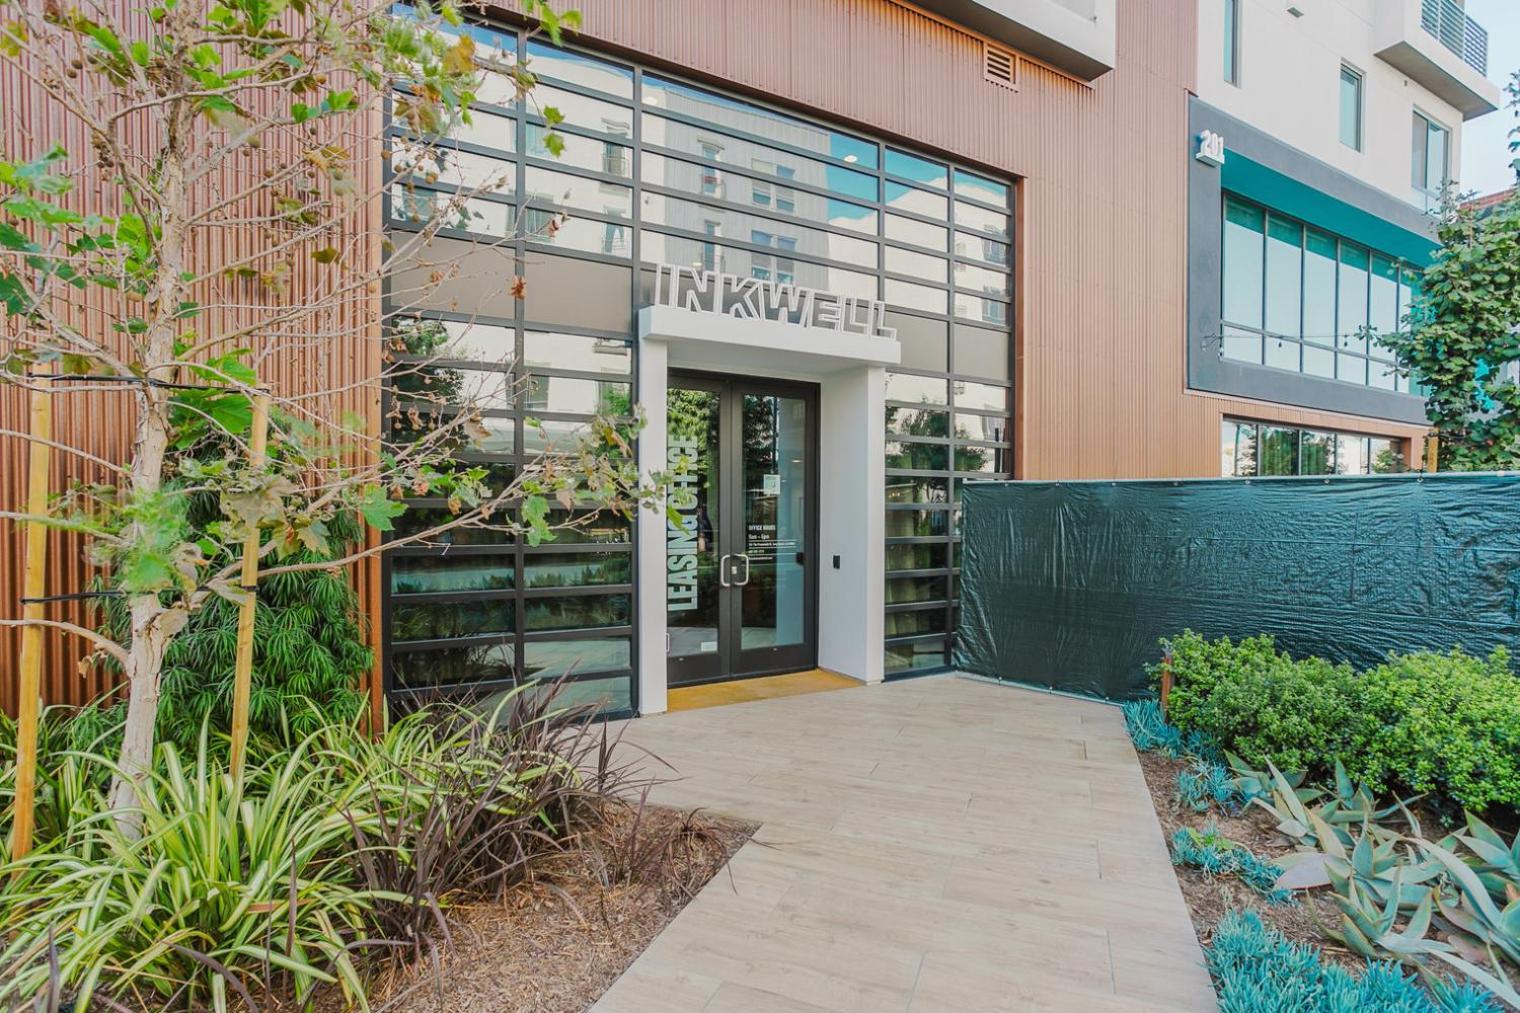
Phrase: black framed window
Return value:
(1300, 299)
(1262, 449)
(656, 169)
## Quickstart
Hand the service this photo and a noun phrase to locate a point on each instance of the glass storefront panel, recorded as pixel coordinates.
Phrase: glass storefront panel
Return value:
(747, 118)
(727, 184)
(452, 620)
(579, 352)
(1249, 449)
(550, 659)
(563, 190)
(914, 655)
(910, 230)
(908, 387)
(919, 170)
(917, 422)
(969, 184)
(576, 612)
(1299, 299)
(464, 340)
(921, 556)
(745, 163)
(455, 667)
(557, 63)
(576, 569)
(758, 229)
(903, 590)
(917, 489)
(582, 152)
(425, 574)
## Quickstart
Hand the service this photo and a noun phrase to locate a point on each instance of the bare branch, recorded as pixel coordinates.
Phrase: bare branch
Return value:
(100, 640)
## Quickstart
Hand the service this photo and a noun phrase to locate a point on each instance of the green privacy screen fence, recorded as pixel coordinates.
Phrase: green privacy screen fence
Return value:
(1070, 585)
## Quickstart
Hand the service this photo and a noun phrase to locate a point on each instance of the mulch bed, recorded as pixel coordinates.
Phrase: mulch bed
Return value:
(555, 943)
(1208, 898)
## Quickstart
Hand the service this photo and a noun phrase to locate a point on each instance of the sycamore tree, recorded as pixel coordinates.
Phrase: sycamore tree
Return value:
(211, 230)
(1462, 338)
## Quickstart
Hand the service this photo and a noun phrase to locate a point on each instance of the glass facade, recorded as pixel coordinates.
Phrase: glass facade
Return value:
(1303, 300)
(1251, 449)
(658, 170)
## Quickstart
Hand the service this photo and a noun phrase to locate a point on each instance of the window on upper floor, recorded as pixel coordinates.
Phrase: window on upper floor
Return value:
(1232, 41)
(1430, 159)
(1300, 299)
(1351, 107)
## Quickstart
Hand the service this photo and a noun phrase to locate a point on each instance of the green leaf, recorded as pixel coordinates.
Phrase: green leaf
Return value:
(378, 509)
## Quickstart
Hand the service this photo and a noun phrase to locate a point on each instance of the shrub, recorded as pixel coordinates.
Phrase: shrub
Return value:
(1257, 970)
(335, 847)
(228, 886)
(1261, 704)
(459, 803)
(1444, 723)
(310, 652)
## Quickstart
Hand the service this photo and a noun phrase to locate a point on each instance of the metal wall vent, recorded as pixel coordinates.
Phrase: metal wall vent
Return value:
(999, 66)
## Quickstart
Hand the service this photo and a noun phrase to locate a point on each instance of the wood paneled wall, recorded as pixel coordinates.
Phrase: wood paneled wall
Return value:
(102, 423)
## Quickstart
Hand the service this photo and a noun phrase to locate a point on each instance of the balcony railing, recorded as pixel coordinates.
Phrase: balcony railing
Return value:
(1450, 25)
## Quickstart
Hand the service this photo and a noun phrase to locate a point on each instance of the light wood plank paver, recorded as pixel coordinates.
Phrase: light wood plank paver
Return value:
(939, 844)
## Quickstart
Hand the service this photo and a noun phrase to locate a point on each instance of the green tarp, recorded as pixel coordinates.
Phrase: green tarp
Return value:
(1070, 585)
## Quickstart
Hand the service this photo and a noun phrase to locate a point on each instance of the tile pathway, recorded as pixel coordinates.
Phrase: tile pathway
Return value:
(939, 844)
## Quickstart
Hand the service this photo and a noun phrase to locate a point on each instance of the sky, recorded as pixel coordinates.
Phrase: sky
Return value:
(1485, 151)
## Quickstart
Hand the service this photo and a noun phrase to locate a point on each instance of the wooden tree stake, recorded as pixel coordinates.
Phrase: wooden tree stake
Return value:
(243, 673)
(34, 586)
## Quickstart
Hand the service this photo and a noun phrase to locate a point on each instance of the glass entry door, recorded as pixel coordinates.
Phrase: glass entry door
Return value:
(740, 585)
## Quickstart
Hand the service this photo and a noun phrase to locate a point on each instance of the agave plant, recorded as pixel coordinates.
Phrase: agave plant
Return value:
(1496, 863)
(1307, 815)
(1480, 927)
(1404, 896)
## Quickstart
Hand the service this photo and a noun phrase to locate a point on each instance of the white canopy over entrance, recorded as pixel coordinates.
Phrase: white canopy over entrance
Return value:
(839, 344)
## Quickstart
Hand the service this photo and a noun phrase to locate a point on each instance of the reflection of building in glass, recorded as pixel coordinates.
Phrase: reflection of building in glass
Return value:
(723, 184)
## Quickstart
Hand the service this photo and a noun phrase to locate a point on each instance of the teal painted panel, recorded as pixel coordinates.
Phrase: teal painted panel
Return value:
(1257, 182)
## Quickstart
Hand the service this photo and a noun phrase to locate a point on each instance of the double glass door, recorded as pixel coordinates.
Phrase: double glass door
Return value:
(739, 550)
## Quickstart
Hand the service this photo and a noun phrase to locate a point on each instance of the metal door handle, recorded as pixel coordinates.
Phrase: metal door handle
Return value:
(723, 570)
(742, 583)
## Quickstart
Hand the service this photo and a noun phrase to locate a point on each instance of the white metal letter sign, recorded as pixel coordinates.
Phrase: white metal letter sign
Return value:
(706, 291)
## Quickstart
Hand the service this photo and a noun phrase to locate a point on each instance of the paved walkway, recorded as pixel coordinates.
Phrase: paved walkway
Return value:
(935, 844)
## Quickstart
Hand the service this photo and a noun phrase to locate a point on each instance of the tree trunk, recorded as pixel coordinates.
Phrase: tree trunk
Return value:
(153, 629)
(154, 626)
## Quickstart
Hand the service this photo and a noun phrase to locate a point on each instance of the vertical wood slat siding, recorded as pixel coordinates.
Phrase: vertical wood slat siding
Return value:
(102, 422)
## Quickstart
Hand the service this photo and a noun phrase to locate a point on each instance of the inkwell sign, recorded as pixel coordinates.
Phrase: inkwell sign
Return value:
(732, 295)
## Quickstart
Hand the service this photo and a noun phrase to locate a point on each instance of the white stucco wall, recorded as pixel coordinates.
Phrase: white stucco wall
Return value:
(1290, 85)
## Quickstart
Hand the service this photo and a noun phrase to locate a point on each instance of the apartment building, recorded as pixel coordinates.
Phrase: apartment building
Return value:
(1328, 129)
(852, 255)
